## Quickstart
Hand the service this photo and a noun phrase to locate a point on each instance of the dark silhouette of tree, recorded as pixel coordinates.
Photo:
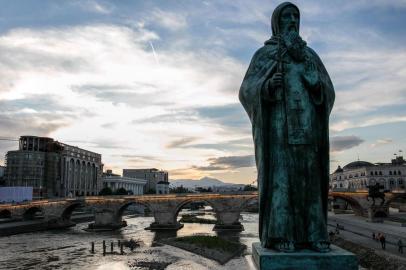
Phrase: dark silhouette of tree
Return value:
(180, 189)
(121, 191)
(250, 188)
(106, 191)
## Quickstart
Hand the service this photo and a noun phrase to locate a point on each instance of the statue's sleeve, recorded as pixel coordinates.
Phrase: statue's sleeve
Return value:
(325, 89)
(255, 79)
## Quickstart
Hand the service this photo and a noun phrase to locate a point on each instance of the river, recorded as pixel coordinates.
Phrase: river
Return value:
(70, 248)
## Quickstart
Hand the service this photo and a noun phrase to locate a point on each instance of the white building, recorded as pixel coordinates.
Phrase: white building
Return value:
(162, 187)
(152, 175)
(358, 175)
(133, 185)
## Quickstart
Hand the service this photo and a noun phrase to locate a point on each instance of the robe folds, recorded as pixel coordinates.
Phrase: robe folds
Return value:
(290, 133)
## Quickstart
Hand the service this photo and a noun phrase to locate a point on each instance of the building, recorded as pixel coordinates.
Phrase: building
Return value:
(2, 180)
(134, 186)
(358, 175)
(153, 176)
(53, 169)
(162, 187)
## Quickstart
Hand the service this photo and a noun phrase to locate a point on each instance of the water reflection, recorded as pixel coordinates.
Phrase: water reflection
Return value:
(70, 249)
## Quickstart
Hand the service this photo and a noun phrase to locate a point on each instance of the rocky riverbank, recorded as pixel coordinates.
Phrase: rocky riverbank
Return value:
(211, 247)
(368, 258)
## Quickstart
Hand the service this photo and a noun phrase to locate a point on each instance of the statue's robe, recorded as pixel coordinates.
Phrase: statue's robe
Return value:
(290, 132)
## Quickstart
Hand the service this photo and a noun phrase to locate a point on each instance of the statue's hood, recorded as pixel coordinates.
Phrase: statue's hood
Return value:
(275, 20)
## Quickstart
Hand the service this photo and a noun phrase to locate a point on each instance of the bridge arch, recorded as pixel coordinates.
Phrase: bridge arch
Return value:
(394, 197)
(187, 201)
(355, 205)
(5, 213)
(31, 213)
(124, 206)
(67, 211)
(248, 201)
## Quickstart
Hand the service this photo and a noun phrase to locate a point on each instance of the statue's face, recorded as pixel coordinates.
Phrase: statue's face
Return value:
(289, 20)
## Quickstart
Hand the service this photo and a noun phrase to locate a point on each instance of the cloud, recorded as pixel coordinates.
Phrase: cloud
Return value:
(341, 143)
(381, 142)
(181, 142)
(169, 20)
(38, 115)
(227, 163)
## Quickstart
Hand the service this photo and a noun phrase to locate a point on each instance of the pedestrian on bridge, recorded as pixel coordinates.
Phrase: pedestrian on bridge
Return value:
(400, 246)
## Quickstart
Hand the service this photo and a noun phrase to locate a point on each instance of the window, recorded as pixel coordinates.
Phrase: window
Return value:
(399, 173)
(394, 172)
(390, 172)
(380, 173)
(372, 173)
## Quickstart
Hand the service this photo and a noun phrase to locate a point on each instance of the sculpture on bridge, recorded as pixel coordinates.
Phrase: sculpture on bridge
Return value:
(288, 96)
(374, 192)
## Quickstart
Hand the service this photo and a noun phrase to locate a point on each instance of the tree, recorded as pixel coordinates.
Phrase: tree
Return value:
(121, 191)
(106, 191)
(250, 188)
(180, 189)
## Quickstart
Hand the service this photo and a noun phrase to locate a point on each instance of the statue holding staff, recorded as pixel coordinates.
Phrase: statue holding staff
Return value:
(288, 96)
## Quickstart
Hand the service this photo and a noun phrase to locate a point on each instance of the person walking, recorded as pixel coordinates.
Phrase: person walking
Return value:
(373, 236)
(383, 241)
(400, 246)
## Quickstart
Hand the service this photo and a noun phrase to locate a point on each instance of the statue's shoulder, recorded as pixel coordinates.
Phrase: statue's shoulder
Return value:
(265, 53)
(310, 52)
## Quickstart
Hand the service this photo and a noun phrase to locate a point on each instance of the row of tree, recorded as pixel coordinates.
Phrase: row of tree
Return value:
(106, 191)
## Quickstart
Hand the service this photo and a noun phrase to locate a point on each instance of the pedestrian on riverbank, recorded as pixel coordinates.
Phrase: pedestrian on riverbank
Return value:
(383, 241)
(373, 236)
(400, 246)
(378, 237)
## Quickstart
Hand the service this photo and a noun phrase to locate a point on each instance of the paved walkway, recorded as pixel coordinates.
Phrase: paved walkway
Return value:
(359, 231)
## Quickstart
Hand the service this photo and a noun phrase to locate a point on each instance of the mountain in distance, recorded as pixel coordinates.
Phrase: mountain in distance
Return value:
(203, 182)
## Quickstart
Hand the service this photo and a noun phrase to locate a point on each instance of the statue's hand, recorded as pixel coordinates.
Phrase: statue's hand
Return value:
(276, 81)
(271, 86)
(311, 75)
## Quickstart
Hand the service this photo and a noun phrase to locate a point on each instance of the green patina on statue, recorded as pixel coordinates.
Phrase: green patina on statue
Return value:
(288, 96)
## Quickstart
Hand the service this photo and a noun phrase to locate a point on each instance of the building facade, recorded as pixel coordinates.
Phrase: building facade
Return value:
(162, 187)
(134, 186)
(358, 175)
(2, 180)
(53, 169)
(153, 176)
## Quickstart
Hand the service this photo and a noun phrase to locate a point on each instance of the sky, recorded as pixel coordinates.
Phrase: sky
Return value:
(155, 83)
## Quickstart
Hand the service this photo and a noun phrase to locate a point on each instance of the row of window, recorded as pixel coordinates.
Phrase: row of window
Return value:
(363, 174)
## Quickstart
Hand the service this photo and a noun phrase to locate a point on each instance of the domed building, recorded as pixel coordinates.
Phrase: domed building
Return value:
(358, 175)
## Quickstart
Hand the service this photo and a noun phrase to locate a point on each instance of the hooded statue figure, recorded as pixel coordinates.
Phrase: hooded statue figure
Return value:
(288, 96)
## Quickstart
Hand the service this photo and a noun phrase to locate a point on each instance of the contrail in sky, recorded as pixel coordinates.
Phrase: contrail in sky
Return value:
(153, 51)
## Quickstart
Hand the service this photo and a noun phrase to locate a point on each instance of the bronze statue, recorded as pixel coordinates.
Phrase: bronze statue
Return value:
(374, 192)
(288, 96)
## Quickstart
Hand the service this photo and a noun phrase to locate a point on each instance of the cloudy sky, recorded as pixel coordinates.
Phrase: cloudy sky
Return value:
(155, 83)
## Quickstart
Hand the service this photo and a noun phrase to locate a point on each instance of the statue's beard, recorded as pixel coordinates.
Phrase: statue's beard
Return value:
(295, 45)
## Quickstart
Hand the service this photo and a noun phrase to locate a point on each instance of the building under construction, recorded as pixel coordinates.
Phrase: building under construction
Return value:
(53, 169)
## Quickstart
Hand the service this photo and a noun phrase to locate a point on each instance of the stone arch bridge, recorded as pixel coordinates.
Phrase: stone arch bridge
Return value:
(108, 210)
(362, 206)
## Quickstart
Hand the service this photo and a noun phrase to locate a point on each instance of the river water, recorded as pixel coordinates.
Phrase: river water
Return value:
(70, 248)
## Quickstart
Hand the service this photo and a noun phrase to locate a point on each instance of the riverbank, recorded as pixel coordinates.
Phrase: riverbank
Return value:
(28, 226)
(370, 259)
(211, 247)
